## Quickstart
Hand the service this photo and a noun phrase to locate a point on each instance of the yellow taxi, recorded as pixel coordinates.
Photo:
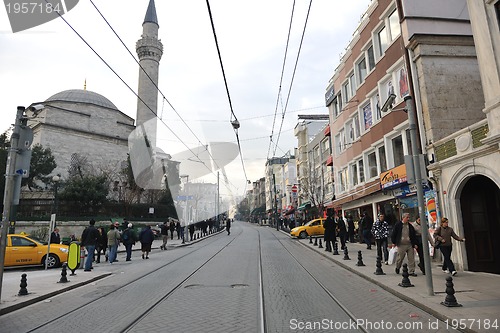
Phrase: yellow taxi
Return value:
(311, 228)
(23, 250)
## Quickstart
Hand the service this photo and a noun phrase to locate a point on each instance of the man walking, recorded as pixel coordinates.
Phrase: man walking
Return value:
(128, 239)
(380, 231)
(405, 238)
(164, 235)
(329, 226)
(89, 240)
(113, 240)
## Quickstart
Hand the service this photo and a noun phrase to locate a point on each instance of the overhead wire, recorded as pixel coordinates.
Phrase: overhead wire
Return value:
(128, 86)
(234, 122)
(281, 79)
(293, 76)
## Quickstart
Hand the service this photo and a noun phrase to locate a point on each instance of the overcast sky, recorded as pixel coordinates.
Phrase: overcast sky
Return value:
(42, 61)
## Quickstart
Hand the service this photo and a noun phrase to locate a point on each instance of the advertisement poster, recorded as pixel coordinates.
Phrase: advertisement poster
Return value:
(404, 90)
(367, 115)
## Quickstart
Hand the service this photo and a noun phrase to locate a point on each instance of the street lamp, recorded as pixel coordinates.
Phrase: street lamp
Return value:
(412, 124)
(185, 227)
(55, 180)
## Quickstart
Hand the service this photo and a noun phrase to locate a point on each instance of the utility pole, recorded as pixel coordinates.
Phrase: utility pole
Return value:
(18, 161)
(275, 204)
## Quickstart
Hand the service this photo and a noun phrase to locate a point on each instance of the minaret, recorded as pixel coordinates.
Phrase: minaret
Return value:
(149, 50)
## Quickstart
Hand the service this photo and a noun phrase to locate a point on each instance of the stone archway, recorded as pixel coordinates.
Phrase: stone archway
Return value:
(480, 209)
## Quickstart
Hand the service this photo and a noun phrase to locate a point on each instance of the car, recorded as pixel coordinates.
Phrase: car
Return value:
(311, 228)
(23, 250)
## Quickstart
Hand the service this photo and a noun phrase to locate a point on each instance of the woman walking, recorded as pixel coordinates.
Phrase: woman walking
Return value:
(146, 238)
(443, 236)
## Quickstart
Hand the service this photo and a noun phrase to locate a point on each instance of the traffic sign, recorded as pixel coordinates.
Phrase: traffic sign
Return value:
(294, 189)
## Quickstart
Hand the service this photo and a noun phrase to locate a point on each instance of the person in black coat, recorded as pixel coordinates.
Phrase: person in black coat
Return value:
(55, 238)
(330, 227)
(341, 229)
(146, 238)
(366, 224)
(228, 226)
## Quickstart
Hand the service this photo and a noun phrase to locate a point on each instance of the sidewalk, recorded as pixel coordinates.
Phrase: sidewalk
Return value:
(478, 293)
(43, 284)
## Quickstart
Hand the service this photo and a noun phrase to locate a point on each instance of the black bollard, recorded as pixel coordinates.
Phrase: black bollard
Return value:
(310, 239)
(64, 273)
(346, 254)
(316, 241)
(320, 245)
(24, 283)
(335, 249)
(405, 283)
(450, 300)
(379, 270)
(360, 259)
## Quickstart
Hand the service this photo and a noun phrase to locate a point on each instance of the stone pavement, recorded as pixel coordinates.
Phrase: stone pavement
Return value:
(478, 293)
(43, 284)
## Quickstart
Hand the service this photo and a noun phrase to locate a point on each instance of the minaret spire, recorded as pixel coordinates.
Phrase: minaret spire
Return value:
(149, 50)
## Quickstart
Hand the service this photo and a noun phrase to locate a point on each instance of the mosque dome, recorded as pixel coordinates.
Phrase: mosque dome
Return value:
(82, 96)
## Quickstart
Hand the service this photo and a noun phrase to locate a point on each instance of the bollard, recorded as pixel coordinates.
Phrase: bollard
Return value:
(64, 273)
(405, 283)
(450, 300)
(24, 283)
(320, 245)
(335, 249)
(316, 241)
(310, 239)
(360, 259)
(346, 253)
(379, 270)
(82, 257)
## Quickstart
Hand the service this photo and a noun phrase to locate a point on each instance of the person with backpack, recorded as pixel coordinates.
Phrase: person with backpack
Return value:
(128, 240)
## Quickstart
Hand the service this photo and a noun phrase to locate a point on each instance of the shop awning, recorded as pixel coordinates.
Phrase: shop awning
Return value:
(304, 205)
(258, 210)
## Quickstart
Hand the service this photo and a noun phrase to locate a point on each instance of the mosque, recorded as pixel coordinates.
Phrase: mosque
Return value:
(84, 127)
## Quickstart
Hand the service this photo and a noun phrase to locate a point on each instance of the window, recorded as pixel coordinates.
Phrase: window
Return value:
(394, 25)
(337, 144)
(343, 180)
(372, 165)
(383, 42)
(357, 132)
(337, 108)
(382, 159)
(354, 173)
(346, 90)
(352, 81)
(397, 150)
(361, 69)
(325, 146)
(377, 114)
(367, 116)
(371, 58)
(361, 169)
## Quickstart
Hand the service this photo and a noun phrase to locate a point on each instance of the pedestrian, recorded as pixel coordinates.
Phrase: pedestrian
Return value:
(191, 231)
(366, 224)
(329, 226)
(403, 235)
(164, 235)
(341, 230)
(128, 239)
(228, 226)
(443, 236)
(172, 229)
(89, 241)
(420, 249)
(350, 228)
(178, 229)
(380, 231)
(113, 241)
(55, 238)
(146, 238)
(102, 244)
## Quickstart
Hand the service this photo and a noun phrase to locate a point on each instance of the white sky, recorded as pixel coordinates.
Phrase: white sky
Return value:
(42, 61)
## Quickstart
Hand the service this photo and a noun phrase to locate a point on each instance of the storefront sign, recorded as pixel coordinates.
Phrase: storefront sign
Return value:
(393, 177)
(404, 191)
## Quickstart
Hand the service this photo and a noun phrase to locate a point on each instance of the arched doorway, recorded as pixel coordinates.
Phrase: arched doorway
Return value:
(480, 203)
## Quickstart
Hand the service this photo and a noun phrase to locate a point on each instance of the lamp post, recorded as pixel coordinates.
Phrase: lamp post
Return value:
(55, 180)
(184, 190)
(412, 124)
